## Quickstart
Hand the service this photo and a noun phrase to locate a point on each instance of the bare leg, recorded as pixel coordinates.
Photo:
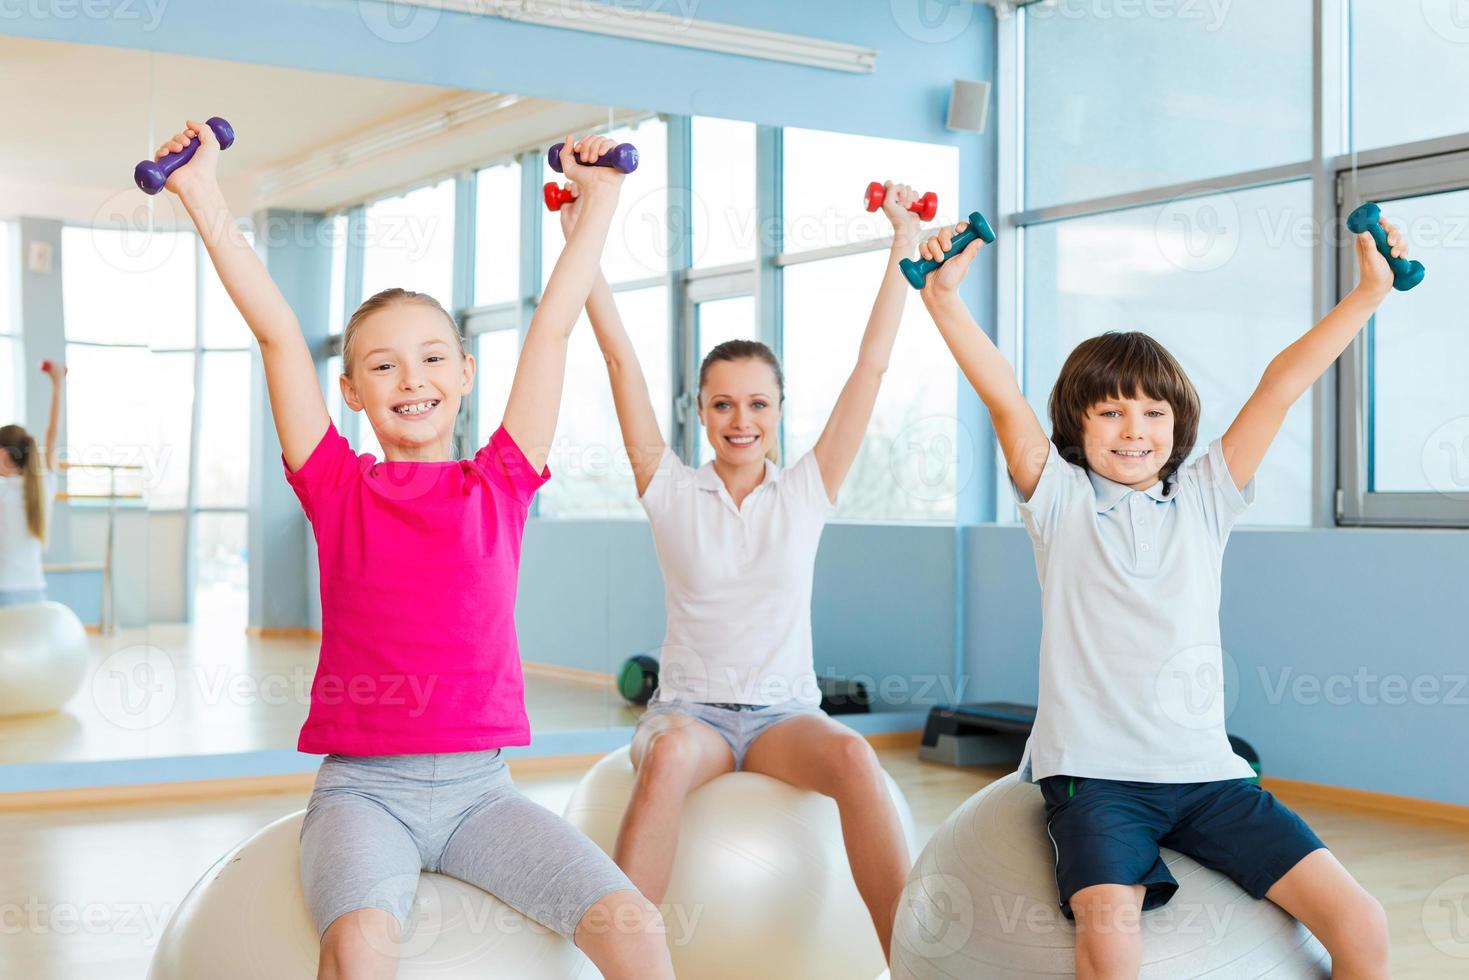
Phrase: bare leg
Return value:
(623, 936)
(1108, 943)
(360, 945)
(674, 755)
(819, 754)
(1349, 922)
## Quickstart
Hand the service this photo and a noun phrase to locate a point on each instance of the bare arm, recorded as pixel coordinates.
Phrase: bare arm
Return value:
(840, 441)
(1296, 369)
(296, 401)
(635, 416)
(57, 373)
(1021, 437)
(535, 394)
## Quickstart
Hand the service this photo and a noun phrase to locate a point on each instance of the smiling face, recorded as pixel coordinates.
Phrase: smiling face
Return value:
(1128, 440)
(739, 406)
(409, 376)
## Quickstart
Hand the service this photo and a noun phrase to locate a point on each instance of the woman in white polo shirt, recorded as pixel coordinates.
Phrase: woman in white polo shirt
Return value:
(737, 543)
(27, 486)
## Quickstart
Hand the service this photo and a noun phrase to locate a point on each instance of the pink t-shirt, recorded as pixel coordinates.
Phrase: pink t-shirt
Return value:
(419, 564)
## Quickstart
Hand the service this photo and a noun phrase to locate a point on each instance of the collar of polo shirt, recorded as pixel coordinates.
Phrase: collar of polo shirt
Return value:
(1109, 494)
(707, 479)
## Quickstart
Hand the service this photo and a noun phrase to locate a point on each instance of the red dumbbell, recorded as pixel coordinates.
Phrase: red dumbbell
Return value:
(555, 196)
(46, 366)
(925, 207)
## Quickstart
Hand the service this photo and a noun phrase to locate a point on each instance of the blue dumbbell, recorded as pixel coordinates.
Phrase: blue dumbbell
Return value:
(1405, 273)
(917, 271)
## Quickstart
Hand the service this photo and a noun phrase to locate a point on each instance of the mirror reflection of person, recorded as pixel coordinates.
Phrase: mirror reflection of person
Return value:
(736, 541)
(27, 487)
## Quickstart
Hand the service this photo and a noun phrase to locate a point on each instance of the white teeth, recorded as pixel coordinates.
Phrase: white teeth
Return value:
(1132, 452)
(417, 409)
(741, 440)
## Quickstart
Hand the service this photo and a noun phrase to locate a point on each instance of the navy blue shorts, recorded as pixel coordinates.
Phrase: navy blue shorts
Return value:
(1107, 832)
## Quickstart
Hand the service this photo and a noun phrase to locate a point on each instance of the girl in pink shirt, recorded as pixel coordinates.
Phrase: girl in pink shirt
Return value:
(419, 683)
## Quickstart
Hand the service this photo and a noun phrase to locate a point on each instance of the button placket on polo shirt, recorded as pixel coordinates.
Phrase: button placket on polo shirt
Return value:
(1145, 545)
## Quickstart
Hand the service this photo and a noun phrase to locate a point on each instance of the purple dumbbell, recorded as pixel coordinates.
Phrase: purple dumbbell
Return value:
(623, 156)
(151, 175)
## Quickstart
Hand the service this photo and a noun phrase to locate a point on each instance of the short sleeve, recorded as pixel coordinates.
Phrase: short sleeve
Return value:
(1057, 487)
(672, 477)
(505, 464)
(1209, 481)
(330, 465)
(807, 486)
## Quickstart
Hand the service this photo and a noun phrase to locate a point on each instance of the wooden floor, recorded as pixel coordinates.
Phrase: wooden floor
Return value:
(172, 689)
(85, 894)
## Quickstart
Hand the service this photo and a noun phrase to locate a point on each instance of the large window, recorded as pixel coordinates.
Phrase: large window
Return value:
(826, 175)
(1420, 47)
(112, 282)
(1163, 116)
(827, 304)
(722, 201)
(591, 474)
(497, 234)
(12, 380)
(1209, 280)
(408, 242)
(1199, 216)
(826, 309)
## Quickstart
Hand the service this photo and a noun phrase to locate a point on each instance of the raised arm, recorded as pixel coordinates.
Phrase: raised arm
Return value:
(1021, 437)
(535, 394)
(296, 401)
(635, 416)
(841, 439)
(57, 373)
(1295, 369)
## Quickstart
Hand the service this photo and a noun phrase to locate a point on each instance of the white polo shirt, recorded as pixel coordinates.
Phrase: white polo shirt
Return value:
(20, 550)
(1131, 667)
(737, 582)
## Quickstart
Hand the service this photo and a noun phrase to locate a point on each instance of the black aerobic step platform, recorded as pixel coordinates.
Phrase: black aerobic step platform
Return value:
(991, 733)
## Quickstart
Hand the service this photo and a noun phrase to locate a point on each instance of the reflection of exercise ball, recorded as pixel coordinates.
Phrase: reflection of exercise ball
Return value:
(246, 919)
(761, 886)
(43, 657)
(981, 902)
(638, 678)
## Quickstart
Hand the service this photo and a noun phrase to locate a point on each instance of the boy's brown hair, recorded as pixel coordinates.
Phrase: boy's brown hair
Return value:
(1122, 365)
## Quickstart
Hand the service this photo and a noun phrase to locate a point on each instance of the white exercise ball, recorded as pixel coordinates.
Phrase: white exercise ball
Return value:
(761, 886)
(981, 902)
(246, 919)
(43, 657)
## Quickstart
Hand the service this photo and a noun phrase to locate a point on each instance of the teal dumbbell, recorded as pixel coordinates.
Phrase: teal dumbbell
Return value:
(917, 271)
(1405, 273)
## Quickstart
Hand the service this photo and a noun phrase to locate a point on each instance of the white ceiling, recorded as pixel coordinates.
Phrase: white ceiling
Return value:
(83, 119)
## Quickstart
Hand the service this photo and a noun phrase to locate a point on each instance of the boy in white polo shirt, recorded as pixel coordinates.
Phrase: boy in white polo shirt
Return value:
(1129, 539)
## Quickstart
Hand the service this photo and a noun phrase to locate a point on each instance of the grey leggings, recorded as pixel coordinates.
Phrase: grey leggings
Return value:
(374, 822)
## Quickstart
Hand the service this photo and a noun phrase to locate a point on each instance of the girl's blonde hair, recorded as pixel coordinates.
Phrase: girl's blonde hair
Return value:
(384, 300)
(745, 350)
(20, 446)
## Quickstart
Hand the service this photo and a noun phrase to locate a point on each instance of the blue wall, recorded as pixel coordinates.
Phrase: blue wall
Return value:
(1316, 622)
(905, 97)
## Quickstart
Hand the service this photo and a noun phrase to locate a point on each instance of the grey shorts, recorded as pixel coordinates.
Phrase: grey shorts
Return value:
(738, 725)
(374, 822)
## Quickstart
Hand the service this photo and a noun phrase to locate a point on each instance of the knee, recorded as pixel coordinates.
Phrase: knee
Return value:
(1359, 935)
(853, 764)
(624, 920)
(363, 943)
(667, 760)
